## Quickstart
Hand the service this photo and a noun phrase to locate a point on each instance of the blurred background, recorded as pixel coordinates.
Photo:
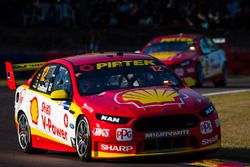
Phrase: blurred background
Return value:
(45, 29)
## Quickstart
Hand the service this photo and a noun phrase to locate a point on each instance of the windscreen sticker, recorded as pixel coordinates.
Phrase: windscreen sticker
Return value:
(188, 40)
(116, 64)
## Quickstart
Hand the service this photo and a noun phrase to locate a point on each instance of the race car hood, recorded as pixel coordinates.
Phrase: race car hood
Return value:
(173, 57)
(148, 101)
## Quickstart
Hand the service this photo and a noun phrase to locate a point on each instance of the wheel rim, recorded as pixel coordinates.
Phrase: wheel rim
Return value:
(82, 137)
(23, 132)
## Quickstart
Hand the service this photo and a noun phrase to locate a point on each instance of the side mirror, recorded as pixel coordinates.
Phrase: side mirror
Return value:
(59, 95)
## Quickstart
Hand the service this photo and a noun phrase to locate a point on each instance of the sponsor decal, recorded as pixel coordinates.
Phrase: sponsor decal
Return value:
(124, 134)
(87, 67)
(190, 70)
(42, 88)
(116, 148)
(217, 123)
(210, 140)
(66, 120)
(34, 110)
(142, 98)
(179, 71)
(216, 66)
(99, 132)
(116, 64)
(46, 108)
(206, 127)
(182, 39)
(71, 126)
(88, 108)
(125, 63)
(173, 133)
(113, 119)
(52, 128)
(110, 119)
(66, 105)
(21, 96)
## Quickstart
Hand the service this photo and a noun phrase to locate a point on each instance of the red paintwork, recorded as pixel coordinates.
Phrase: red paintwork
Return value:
(44, 143)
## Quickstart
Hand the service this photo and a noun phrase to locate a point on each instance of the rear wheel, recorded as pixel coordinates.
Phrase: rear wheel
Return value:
(199, 76)
(223, 80)
(83, 143)
(24, 135)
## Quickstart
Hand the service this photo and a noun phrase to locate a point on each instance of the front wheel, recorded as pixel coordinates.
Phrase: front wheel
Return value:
(83, 143)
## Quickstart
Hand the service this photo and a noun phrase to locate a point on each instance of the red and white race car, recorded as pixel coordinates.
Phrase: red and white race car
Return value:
(194, 58)
(111, 105)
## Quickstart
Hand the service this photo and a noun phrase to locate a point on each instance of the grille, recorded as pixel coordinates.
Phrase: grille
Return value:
(170, 122)
(165, 143)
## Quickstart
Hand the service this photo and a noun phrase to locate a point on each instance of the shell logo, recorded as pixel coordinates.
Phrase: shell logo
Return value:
(149, 97)
(34, 110)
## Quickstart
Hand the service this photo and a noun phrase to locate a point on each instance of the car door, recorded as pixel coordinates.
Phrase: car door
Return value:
(51, 117)
(212, 58)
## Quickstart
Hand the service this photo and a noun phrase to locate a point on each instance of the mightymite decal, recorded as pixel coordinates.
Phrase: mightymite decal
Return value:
(149, 97)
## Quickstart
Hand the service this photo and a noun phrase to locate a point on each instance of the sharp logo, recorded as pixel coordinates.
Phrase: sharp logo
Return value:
(110, 119)
(210, 140)
(107, 147)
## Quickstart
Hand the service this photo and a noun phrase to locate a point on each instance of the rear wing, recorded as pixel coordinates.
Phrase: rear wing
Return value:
(222, 42)
(11, 68)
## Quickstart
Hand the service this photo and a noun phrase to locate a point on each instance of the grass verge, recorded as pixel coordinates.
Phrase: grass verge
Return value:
(234, 114)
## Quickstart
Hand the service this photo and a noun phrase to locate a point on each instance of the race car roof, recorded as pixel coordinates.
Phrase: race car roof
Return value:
(104, 57)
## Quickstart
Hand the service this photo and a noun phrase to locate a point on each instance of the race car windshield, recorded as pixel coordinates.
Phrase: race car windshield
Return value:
(97, 78)
(167, 47)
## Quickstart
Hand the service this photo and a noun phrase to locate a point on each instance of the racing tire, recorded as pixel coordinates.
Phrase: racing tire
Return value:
(223, 80)
(199, 76)
(24, 136)
(83, 139)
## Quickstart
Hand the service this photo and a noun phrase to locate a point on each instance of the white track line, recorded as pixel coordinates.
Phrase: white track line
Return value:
(226, 92)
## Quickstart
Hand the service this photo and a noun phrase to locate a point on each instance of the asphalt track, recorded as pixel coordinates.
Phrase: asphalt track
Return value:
(12, 156)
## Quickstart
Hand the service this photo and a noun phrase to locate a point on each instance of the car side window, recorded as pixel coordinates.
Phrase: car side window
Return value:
(63, 81)
(204, 45)
(43, 81)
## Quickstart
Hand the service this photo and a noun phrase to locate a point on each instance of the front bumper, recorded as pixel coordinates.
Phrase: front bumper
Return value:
(189, 150)
(204, 136)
